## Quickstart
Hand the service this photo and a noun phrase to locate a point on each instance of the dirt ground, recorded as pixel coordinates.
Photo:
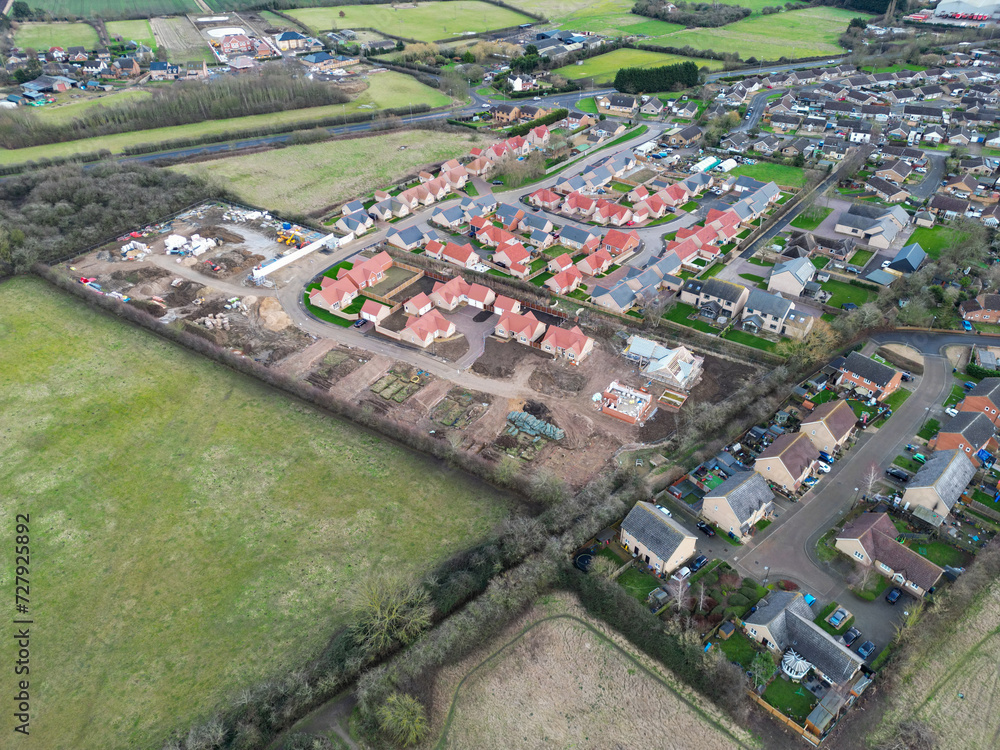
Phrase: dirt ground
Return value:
(569, 682)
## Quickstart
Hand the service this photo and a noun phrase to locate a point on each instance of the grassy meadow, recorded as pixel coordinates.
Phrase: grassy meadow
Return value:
(135, 31)
(767, 172)
(800, 33)
(67, 108)
(386, 90)
(425, 22)
(113, 8)
(42, 36)
(307, 178)
(607, 17)
(603, 68)
(192, 531)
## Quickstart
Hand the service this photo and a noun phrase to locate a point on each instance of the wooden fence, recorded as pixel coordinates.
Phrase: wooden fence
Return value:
(801, 731)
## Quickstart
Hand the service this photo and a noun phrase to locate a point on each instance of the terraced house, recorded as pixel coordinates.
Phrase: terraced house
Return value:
(859, 371)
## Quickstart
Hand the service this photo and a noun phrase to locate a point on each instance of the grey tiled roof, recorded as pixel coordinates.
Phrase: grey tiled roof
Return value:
(948, 472)
(760, 301)
(659, 533)
(975, 427)
(868, 369)
(987, 388)
(746, 492)
(789, 619)
(725, 290)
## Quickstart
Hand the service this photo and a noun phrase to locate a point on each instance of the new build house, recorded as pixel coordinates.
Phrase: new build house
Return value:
(787, 461)
(738, 503)
(871, 540)
(656, 539)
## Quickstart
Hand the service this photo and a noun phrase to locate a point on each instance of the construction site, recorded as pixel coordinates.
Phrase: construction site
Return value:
(491, 396)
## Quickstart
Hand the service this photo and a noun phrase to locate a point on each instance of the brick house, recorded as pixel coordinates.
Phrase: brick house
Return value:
(859, 371)
(983, 309)
(871, 540)
(983, 399)
(969, 432)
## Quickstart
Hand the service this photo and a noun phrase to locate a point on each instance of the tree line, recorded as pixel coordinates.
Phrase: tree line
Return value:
(692, 14)
(664, 78)
(180, 104)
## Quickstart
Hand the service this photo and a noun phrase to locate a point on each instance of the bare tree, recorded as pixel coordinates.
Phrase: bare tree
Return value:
(861, 577)
(678, 593)
(702, 596)
(869, 480)
(388, 609)
(603, 566)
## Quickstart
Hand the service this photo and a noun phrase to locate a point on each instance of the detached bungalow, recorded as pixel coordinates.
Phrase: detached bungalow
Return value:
(871, 540)
(569, 343)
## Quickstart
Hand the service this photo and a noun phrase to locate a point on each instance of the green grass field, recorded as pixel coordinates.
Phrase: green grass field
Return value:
(42, 36)
(390, 89)
(844, 292)
(783, 175)
(193, 532)
(67, 108)
(308, 178)
(115, 8)
(181, 40)
(426, 22)
(810, 220)
(136, 31)
(935, 239)
(604, 67)
(607, 17)
(800, 33)
(387, 90)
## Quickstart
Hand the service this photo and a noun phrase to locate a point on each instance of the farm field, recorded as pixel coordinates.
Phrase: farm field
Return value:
(186, 516)
(309, 177)
(952, 683)
(604, 67)
(800, 33)
(558, 680)
(116, 143)
(390, 89)
(135, 31)
(182, 40)
(66, 108)
(767, 172)
(115, 8)
(607, 17)
(42, 36)
(426, 22)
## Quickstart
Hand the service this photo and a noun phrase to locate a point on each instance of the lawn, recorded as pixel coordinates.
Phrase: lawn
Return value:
(603, 68)
(811, 219)
(767, 172)
(935, 239)
(940, 553)
(793, 700)
(42, 36)
(540, 279)
(748, 339)
(679, 314)
(425, 22)
(930, 429)
(184, 515)
(689, 206)
(905, 462)
(897, 398)
(957, 394)
(638, 584)
(739, 648)
(820, 261)
(828, 610)
(861, 258)
(132, 31)
(713, 270)
(844, 292)
(801, 33)
(111, 8)
(309, 177)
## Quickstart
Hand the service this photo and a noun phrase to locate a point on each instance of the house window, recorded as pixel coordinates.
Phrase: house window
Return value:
(753, 632)
(885, 567)
(859, 555)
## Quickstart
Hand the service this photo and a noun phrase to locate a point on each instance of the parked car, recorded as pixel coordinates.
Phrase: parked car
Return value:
(966, 325)
(705, 529)
(907, 376)
(893, 596)
(920, 458)
(866, 649)
(822, 467)
(663, 510)
(700, 562)
(886, 263)
(851, 636)
(826, 457)
(897, 474)
(360, 322)
(682, 574)
(951, 411)
(838, 617)
(497, 182)
(810, 481)
(969, 385)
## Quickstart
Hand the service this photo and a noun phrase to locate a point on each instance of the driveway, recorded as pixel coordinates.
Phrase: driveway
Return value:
(826, 228)
(474, 332)
(787, 548)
